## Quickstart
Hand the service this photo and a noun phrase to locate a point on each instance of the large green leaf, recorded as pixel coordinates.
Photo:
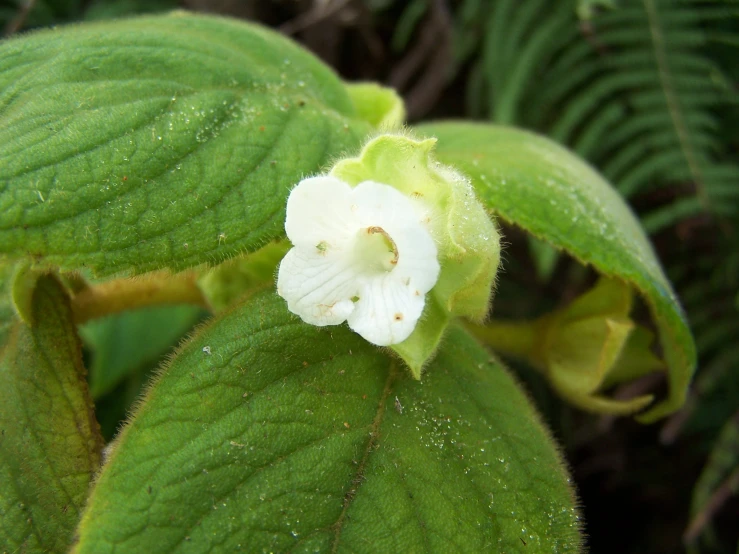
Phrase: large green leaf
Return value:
(270, 435)
(7, 313)
(49, 441)
(159, 142)
(532, 182)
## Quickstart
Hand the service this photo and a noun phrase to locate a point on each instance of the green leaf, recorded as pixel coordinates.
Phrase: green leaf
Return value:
(530, 181)
(544, 257)
(22, 287)
(130, 341)
(7, 311)
(167, 141)
(267, 434)
(49, 440)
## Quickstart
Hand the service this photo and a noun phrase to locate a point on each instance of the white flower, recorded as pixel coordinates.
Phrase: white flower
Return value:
(362, 255)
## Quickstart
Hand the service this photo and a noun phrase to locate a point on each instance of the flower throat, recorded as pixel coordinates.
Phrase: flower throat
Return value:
(376, 250)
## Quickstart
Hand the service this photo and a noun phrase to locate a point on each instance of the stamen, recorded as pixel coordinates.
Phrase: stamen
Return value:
(379, 230)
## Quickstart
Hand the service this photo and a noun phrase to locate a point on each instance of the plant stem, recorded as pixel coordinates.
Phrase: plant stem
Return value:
(118, 295)
(516, 339)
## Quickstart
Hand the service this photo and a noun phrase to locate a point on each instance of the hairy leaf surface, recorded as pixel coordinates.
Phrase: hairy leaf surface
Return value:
(532, 182)
(7, 313)
(267, 434)
(159, 142)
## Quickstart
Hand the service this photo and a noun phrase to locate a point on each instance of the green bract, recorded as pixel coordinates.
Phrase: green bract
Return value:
(467, 240)
(584, 348)
(380, 106)
(236, 277)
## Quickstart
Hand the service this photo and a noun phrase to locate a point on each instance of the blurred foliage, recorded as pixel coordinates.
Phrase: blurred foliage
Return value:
(132, 341)
(17, 15)
(646, 91)
(109, 9)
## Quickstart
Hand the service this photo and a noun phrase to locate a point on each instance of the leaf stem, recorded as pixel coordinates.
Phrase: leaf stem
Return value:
(154, 289)
(515, 339)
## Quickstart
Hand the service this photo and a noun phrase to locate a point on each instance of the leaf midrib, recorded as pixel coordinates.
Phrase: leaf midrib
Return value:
(358, 478)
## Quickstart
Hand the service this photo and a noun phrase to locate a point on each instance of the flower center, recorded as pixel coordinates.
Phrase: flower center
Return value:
(377, 250)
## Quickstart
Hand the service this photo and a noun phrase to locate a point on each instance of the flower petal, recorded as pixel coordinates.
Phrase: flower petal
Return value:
(329, 276)
(417, 264)
(380, 204)
(387, 310)
(404, 221)
(319, 211)
(318, 287)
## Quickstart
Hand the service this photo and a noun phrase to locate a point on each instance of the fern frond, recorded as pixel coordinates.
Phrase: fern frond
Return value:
(520, 40)
(589, 139)
(665, 216)
(672, 106)
(632, 90)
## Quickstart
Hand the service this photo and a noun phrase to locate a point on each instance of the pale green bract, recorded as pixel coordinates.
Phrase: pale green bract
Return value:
(443, 203)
